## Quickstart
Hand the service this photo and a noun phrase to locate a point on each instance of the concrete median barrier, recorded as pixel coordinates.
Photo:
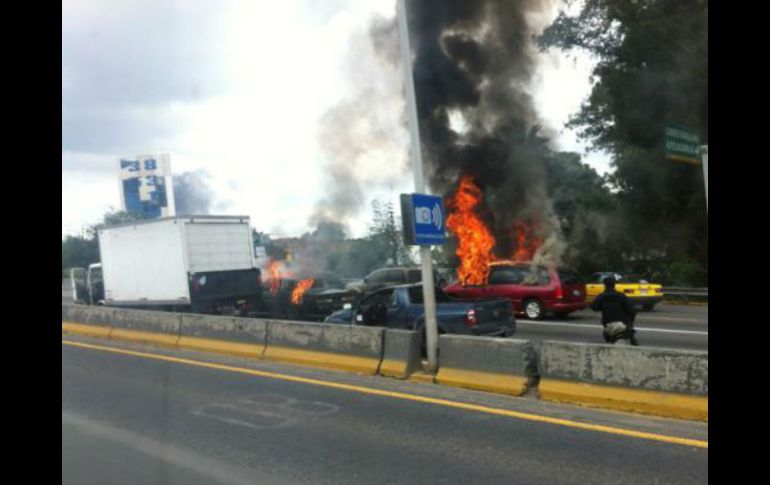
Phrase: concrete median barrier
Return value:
(341, 347)
(145, 326)
(500, 365)
(663, 382)
(92, 321)
(242, 337)
(401, 354)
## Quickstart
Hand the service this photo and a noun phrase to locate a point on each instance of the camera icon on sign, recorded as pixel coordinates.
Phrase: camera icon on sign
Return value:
(422, 215)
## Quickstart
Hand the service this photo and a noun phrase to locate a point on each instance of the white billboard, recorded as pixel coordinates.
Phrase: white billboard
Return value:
(146, 185)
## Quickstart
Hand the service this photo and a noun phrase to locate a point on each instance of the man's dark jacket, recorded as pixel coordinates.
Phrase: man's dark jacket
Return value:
(615, 307)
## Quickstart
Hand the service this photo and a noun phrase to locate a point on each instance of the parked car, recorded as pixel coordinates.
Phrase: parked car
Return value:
(385, 277)
(635, 287)
(402, 307)
(534, 290)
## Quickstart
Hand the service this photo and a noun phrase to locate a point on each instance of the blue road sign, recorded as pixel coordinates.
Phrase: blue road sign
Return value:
(423, 219)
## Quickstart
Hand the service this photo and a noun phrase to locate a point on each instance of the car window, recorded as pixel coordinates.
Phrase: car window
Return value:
(543, 276)
(530, 276)
(373, 309)
(415, 275)
(382, 296)
(505, 275)
(396, 276)
(568, 277)
(415, 295)
(381, 276)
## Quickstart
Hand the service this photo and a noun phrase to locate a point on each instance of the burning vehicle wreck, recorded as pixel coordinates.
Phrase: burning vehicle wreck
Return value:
(309, 298)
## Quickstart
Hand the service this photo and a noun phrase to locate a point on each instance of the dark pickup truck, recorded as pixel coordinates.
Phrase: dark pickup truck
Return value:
(402, 307)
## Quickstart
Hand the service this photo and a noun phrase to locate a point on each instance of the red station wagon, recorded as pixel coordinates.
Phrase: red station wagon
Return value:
(534, 291)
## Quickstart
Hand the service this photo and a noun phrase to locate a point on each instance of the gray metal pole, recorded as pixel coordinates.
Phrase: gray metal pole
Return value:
(429, 295)
(704, 152)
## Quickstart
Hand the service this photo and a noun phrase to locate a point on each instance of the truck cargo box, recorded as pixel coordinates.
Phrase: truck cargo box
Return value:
(156, 261)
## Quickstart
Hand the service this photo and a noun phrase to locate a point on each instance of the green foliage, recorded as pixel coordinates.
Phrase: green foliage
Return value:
(386, 237)
(652, 70)
(80, 251)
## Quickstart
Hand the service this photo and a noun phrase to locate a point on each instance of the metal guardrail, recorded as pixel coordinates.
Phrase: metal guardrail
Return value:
(685, 294)
(673, 290)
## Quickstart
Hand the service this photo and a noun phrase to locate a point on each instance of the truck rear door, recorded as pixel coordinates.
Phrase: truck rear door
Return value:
(78, 285)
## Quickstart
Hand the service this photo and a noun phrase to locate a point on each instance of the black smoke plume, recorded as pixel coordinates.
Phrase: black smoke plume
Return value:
(473, 68)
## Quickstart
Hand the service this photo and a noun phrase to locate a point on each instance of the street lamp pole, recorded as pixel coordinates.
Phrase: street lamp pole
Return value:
(429, 294)
(704, 152)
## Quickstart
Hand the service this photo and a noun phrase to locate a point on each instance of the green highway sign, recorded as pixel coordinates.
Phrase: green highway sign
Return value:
(682, 144)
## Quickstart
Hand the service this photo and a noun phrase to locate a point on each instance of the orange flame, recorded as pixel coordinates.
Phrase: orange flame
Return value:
(475, 241)
(300, 290)
(274, 269)
(526, 242)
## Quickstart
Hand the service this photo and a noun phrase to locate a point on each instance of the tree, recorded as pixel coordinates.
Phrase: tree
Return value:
(652, 70)
(586, 210)
(385, 234)
(80, 251)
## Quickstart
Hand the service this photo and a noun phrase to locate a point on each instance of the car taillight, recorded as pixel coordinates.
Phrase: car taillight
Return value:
(559, 293)
(470, 318)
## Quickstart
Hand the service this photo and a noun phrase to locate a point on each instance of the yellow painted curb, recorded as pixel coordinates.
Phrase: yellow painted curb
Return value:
(367, 365)
(423, 377)
(643, 401)
(144, 337)
(238, 349)
(394, 368)
(84, 329)
(483, 381)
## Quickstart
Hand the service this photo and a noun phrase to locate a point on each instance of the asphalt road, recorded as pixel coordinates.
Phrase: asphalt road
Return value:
(136, 419)
(669, 326)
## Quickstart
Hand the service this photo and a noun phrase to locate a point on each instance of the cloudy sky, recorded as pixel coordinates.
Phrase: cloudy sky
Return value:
(239, 93)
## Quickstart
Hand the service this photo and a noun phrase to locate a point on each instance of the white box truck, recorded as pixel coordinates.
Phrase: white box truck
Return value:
(203, 264)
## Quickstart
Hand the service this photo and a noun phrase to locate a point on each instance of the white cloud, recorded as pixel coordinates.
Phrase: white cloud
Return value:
(561, 85)
(238, 90)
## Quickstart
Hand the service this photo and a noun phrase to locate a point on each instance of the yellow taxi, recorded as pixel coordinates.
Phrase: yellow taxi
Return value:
(634, 287)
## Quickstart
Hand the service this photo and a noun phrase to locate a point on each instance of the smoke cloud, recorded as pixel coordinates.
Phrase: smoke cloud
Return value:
(192, 194)
(475, 62)
(363, 138)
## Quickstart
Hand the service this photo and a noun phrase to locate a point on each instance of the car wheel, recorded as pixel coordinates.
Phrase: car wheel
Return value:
(534, 309)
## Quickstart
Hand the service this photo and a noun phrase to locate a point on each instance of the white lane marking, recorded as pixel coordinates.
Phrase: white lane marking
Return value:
(598, 326)
(678, 319)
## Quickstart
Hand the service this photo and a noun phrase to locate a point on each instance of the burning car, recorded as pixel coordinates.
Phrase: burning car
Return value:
(311, 298)
(534, 290)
